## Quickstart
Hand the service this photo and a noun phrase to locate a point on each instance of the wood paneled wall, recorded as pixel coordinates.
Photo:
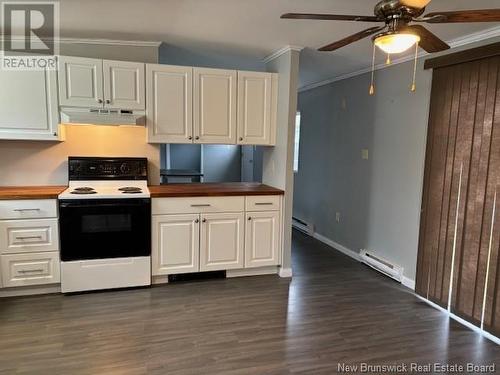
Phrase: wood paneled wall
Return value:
(458, 260)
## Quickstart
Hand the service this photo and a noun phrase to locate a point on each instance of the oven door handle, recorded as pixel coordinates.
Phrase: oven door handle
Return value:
(100, 205)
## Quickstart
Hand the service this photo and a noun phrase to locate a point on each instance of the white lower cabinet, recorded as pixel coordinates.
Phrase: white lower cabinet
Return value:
(29, 242)
(200, 234)
(176, 244)
(30, 269)
(222, 241)
(262, 239)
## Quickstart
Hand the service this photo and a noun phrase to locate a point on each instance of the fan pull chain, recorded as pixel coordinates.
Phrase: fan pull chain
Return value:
(372, 85)
(414, 84)
(388, 61)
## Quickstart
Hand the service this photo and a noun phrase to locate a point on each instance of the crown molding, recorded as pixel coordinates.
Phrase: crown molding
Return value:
(280, 52)
(454, 43)
(108, 42)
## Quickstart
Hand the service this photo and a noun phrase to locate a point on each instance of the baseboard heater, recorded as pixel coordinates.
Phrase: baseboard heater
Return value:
(382, 265)
(303, 226)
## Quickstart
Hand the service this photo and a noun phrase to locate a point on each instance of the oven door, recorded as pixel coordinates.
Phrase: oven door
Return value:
(105, 228)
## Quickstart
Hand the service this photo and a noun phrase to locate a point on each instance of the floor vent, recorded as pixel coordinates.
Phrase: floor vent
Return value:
(382, 265)
(303, 226)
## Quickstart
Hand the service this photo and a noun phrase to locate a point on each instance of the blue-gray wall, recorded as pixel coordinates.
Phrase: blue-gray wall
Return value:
(379, 198)
(221, 163)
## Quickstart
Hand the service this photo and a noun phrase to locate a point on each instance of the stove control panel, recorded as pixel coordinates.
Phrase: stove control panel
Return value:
(90, 168)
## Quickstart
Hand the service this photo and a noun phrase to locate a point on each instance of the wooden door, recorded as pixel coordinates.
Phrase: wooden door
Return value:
(176, 244)
(215, 106)
(222, 241)
(80, 82)
(256, 109)
(262, 239)
(170, 103)
(124, 85)
(29, 108)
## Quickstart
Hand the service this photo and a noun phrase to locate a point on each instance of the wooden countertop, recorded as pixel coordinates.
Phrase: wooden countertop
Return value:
(30, 192)
(212, 190)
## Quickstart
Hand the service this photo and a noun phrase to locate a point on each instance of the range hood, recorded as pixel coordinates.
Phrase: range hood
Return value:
(86, 116)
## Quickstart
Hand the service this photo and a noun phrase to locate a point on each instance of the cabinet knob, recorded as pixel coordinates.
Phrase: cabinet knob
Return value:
(197, 221)
(249, 218)
(108, 101)
(197, 137)
(241, 138)
(190, 137)
(99, 101)
(204, 220)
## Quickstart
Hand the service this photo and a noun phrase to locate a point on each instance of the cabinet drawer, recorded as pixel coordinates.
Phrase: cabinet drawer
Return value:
(162, 206)
(22, 236)
(263, 203)
(30, 269)
(28, 209)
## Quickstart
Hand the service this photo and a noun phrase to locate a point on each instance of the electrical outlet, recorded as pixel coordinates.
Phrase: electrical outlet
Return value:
(364, 154)
(337, 217)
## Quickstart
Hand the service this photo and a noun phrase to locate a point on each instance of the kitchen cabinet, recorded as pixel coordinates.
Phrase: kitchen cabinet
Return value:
(222, 241)
(175, 244)
(215, 233)
(257, 98)
(96, 83)
(29, 242)
(215, 106)
(262, 239)
(29, 105)
(170, 103)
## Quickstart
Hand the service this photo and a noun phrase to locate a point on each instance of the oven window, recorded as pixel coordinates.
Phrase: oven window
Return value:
(106, 223)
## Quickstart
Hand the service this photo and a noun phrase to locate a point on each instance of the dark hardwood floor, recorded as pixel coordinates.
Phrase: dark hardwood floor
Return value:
(334, 311)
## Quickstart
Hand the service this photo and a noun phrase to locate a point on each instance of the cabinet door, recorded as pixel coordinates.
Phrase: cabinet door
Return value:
(124, 85)
(215, 106)
(256, 108)
(262, 239)
(80, 82)
(170, 103)
(222, 241)
(28, 105)
(176, 244)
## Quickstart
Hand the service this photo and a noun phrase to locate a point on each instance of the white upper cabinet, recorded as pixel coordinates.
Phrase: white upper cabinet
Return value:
(124, 85)
(29, 105)
(257, 97)
(95, 83)
(80, 82)
(169, 103)
(215, 106)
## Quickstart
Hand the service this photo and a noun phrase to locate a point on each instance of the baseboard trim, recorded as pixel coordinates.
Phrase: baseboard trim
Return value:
(464, 322)
(409, 283)
(270, 270)
(30, 290)
(159, 279)
(337, 246)
(285, 272)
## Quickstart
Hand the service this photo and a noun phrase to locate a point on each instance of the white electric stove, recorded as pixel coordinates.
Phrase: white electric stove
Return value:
(105, 225)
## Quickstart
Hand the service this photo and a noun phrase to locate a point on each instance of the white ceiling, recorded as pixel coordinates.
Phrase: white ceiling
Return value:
(251, 29)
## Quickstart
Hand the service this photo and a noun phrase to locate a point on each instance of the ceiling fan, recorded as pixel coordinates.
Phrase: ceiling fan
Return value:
(398, 34)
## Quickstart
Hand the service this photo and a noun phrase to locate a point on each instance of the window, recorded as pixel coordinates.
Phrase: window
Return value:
(297, 143)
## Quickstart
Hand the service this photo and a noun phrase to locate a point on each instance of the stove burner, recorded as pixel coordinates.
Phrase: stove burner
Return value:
(84, 190)
(130, 190)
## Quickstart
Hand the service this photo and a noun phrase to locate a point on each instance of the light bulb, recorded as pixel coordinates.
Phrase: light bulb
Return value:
(396, 43)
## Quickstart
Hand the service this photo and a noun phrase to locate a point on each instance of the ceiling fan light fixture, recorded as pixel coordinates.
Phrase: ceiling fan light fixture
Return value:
(396, 42)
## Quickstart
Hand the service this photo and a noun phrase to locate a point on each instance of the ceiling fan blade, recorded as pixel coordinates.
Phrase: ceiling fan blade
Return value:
(415, 3)
(330, 17)
(428, 41)
(351, 39)
(479, 15)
